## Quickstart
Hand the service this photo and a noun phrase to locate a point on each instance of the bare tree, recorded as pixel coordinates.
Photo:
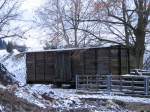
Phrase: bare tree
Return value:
(124, 22)
(8, 16)
(127, 21)
(62, 19)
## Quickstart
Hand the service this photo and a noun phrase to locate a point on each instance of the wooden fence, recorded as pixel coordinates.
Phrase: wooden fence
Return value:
(127, 85)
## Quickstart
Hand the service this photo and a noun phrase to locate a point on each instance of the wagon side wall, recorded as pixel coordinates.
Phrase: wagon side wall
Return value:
(62, 66)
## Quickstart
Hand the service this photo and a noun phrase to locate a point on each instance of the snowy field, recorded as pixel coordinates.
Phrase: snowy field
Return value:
(44, 95)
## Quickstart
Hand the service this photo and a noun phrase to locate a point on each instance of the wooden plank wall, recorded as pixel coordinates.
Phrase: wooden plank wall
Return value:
(103, 61)
(124, 61)
(115, 68)
(89, 62)
(77, 65)
(40, 69)
(30, 63)
(50, 60)
(62, 66)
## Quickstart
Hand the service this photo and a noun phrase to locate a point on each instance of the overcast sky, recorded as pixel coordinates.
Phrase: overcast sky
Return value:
(29, 7)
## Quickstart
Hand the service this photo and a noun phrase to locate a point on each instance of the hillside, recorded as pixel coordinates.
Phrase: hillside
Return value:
(40, 97)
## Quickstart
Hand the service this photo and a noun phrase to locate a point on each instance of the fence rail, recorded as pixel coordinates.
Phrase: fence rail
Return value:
(130, 85)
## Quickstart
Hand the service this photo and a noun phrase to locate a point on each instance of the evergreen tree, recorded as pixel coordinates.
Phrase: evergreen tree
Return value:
(9, 47)
(2, 44)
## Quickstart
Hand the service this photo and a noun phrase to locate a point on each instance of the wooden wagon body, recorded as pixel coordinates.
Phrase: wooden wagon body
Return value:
(61, 66)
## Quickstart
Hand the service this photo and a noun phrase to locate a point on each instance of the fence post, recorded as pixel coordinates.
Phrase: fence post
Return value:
(87, 82)
(146, 85)
(109, 83)
(97, 81)
(132, 85)
(120, 83)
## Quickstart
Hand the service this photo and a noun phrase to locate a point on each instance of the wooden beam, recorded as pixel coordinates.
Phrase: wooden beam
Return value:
(35, 65)
(119, 60)
(95, 60)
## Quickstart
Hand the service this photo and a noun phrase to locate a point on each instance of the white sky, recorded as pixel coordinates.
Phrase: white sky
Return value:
(29, 7)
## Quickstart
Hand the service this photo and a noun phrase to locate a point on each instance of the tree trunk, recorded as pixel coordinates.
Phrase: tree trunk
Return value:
(139, 47)
(75, 36)
(139, 58)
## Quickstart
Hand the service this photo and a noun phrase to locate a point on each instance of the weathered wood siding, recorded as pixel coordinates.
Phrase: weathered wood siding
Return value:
(103, 61)
(62, 66)
(50, 61)
(30, 64)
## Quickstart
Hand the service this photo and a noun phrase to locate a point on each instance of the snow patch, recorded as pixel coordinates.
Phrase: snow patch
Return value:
(116, 97)
(15, 64)
(28, 95)
(41, 88)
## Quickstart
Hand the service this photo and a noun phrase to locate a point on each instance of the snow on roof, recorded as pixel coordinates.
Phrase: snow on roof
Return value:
(67, 49)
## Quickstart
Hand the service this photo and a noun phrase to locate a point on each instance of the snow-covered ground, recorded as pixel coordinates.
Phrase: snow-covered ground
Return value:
(61, 98)
(74, 95)
(15, 63)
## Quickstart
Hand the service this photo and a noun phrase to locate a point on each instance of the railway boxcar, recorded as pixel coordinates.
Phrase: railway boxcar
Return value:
(62, 65)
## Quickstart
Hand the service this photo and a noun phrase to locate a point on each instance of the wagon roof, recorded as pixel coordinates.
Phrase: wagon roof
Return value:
(69, 49)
